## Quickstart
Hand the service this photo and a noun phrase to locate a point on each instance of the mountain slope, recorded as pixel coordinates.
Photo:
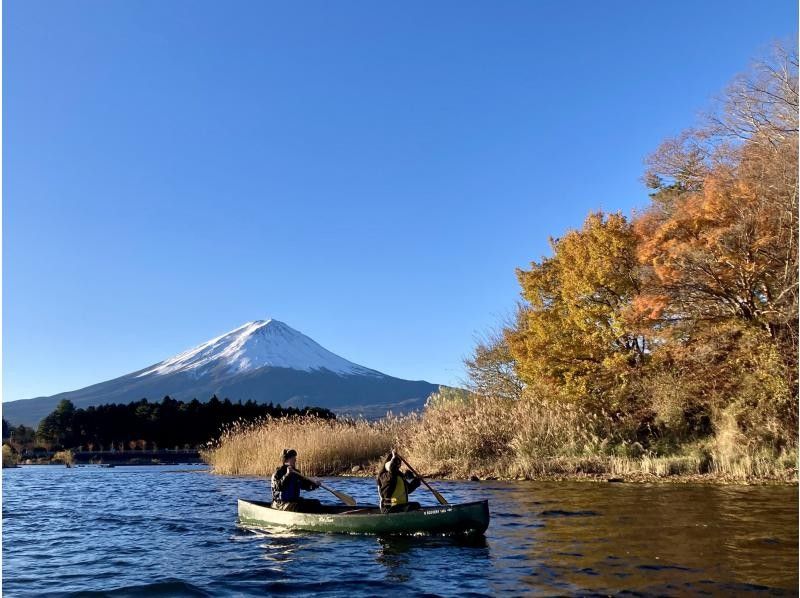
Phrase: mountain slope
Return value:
(265, 360)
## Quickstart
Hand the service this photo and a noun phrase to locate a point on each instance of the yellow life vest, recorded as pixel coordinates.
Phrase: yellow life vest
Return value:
(400, 495)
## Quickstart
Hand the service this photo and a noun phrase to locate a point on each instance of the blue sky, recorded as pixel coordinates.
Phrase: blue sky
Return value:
(369, 173)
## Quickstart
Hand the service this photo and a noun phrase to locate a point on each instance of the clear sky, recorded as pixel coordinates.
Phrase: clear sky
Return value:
(369, 173)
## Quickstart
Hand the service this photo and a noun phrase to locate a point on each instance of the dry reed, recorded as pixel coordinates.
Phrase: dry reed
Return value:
(66, 457)
(324, 447)
(535, 438)
(528, 438)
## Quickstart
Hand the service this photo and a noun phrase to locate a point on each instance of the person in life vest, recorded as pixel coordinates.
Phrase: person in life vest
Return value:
(394, 486)
(287, 483)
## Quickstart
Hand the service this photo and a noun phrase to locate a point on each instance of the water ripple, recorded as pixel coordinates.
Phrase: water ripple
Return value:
(145, 531)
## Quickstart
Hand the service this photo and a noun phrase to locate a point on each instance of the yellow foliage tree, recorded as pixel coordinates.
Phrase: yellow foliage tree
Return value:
(572, 333)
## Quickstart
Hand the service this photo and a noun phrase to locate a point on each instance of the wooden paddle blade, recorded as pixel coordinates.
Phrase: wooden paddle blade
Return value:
(345, 498)
(439, 497)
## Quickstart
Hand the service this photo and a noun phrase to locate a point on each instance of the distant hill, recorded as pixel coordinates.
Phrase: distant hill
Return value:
(264, 360)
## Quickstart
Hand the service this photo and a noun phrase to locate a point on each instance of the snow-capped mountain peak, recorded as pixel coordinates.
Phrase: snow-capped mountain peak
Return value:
(264, 361)
(255, 345)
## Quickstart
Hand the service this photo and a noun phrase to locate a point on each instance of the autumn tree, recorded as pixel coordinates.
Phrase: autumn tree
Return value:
(682, 321)
(572, 333)
(718, 246)
(720, 239)
(492, 369)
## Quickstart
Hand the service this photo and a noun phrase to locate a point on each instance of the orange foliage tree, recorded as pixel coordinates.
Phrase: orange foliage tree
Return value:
(718, 250)
(684, 319)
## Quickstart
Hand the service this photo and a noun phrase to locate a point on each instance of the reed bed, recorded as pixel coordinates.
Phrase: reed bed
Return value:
(533, 438)
(324, 447)
(529, 438)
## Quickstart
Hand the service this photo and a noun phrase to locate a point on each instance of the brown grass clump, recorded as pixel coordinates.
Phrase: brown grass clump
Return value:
(66, 457)
(503, 437)
(10, 458)
(536, 438)
(733, 454)
(462, 435)
(324, 447)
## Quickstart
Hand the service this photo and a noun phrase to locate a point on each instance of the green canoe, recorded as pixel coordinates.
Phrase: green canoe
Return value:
(469, 518)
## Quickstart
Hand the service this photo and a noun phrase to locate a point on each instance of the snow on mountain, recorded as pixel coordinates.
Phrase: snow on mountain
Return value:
(255, 345)
(265, 360)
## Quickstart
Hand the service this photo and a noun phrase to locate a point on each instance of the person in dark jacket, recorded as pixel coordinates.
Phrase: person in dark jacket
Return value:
(287, 483)
(394, 486)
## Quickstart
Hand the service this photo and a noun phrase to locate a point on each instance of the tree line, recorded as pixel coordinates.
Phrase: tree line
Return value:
(142, 424)
(678, 324)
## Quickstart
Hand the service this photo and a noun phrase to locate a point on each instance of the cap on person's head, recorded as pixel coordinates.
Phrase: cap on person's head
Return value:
(288, 454)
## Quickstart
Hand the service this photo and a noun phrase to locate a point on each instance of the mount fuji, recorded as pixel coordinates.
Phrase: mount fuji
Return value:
(264, 360)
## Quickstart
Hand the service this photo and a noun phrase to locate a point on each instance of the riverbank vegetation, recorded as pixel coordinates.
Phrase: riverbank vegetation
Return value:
(463, 435)
(532, 437)
(10, 458)
(67, 457)
(666, 342)
(325, 446)
(660, 344)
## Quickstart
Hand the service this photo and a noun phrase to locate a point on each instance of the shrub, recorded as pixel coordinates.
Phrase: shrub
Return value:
(66, 457)
(10, 458)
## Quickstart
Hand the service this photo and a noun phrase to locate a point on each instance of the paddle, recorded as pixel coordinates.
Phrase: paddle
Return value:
(438, 496)
(345, 498)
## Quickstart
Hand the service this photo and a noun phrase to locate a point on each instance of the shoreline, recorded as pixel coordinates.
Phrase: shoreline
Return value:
(639, 478)
(104, 465)
(701, 479)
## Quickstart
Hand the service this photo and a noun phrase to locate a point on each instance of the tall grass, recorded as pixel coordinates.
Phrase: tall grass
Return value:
(67, 457)
(503, 438)
(534, 438)
(324, 447)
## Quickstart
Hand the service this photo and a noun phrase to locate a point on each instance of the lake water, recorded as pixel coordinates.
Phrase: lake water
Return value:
(134, 531)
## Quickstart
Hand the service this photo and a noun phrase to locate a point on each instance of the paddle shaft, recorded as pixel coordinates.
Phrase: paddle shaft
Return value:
(345, 498)
(438, 496)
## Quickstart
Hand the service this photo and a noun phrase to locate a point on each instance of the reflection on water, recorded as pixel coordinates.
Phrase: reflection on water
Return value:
(677, 538)
(154, 530)
(400, 555)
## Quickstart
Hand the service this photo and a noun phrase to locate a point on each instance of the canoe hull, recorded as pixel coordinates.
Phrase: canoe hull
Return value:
(469, 518)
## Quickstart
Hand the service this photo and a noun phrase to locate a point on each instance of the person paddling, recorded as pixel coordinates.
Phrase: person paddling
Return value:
(287, 483)
(394, 486)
